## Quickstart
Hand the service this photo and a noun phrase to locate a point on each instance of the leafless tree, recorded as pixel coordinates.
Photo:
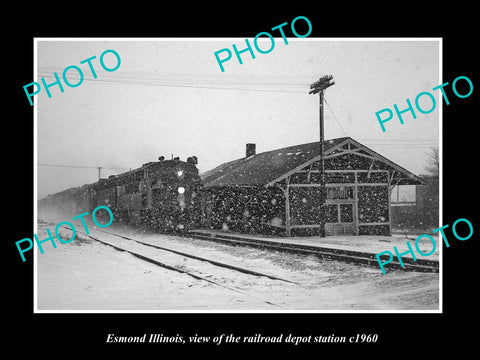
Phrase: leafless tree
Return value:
(433, 166)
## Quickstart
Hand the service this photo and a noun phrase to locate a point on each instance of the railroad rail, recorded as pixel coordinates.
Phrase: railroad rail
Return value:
(214, 262)
(356, 257)
(194, 273)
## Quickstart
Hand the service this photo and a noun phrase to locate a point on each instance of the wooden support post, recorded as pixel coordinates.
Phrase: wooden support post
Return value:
(355, 203)
(287, 207)
(389, 215)
(390, 188)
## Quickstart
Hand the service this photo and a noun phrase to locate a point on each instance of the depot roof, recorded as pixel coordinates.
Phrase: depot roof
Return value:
(269, 167)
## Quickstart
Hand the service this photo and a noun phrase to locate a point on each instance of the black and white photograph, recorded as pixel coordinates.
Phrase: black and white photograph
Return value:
(208, 180)
(269, 186)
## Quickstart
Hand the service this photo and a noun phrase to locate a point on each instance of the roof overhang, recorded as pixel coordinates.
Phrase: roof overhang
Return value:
(355, 148)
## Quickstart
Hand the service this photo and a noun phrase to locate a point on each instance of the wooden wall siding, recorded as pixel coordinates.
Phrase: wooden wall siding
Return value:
(357, 202)
(244, 209)
(373, 206)
(358, 182)
(304, 205)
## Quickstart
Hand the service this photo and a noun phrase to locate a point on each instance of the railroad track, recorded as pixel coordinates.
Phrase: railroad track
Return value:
(191, 256)
(355, 257)
(200, 268)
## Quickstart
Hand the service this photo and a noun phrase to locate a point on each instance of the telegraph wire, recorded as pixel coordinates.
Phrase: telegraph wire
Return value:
(81, 167)
(156, 82)
(402, 143)
(219, 84)
(387, 146)
(338, 122)
(175, 77)
(435, 140)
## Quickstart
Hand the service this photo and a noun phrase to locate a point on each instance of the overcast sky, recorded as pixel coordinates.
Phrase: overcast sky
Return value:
(169, 97)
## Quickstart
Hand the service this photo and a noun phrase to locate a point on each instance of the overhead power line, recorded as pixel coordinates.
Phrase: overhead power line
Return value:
(403, 140)
(387, 146)
(334, 116)
(82, 167)
(99, 168)
(185, 84)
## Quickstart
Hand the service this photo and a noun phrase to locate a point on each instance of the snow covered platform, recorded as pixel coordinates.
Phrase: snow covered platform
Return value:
(362, 248)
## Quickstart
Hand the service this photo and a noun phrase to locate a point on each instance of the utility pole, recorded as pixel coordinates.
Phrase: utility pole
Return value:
(99, 168)
(319, 87)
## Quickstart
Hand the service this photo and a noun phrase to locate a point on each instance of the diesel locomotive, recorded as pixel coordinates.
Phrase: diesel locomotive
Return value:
(162, 195)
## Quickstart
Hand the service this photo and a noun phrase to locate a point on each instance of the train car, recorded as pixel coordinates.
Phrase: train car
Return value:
(162, 195)
(64, 202)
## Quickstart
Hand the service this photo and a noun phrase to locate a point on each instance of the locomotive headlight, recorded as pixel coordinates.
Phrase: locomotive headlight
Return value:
(181, 190)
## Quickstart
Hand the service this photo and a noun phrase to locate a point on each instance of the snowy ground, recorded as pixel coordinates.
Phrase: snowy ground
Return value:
(361, 243)
(87, 275)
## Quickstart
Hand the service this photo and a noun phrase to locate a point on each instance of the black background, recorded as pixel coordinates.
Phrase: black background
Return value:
(406, 334)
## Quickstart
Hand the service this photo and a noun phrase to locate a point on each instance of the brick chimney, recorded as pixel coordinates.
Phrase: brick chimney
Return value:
(250, 150)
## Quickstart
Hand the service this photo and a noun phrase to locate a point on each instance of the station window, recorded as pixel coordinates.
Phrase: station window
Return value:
(341, 193)
(340, 177)
(342, 213)
(331, 213)
(131, 188)
(346, 213)
(372, 177)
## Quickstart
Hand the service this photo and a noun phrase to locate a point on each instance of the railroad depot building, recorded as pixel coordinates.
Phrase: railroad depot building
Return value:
(278, 192)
